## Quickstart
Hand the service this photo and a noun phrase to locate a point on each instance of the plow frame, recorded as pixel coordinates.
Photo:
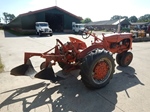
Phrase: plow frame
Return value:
(58, 55)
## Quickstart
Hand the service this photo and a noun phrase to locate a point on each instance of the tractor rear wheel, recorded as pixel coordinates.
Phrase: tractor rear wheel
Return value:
(97, 69)
(126, 59)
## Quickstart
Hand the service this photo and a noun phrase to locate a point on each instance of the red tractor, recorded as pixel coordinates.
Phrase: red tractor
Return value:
(95, 62)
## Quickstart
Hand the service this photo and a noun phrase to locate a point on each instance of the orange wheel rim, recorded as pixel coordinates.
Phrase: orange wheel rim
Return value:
(128, 59)
(100, 70)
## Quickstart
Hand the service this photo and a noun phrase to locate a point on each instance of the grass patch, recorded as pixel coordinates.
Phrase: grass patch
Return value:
(1, 66)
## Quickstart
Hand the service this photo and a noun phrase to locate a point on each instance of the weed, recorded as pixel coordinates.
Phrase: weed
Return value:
(1, 66)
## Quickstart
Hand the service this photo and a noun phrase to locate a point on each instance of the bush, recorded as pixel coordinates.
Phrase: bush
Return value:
(1, 66)
(125, 30)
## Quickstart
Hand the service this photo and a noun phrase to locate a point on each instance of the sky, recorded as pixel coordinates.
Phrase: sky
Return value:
(96, 10)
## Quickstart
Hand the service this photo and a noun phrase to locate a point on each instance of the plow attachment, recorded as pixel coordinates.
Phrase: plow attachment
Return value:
(28, 70)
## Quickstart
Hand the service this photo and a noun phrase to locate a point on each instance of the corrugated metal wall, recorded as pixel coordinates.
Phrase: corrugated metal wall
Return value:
(28, 22)
(16, 23)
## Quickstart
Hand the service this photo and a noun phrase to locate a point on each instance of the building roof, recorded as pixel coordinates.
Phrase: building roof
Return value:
(41, 10)
(107, 22)
(49, 8)
(140, 23)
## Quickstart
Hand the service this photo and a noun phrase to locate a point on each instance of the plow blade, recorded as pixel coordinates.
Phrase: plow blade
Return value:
(24, 70)
(28, 70)
(48, 74)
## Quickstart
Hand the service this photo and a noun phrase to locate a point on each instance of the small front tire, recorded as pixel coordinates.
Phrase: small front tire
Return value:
(126, 59)
(118, 58)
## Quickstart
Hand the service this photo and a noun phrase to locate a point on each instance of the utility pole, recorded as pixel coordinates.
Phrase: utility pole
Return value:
(119, 25)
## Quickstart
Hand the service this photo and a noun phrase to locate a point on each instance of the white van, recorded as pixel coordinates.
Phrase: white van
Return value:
(77, 27)
(43, 28)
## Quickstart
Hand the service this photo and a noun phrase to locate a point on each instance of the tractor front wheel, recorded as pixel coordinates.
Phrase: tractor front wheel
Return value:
(97, 69)
(126, 59)
(118, 58)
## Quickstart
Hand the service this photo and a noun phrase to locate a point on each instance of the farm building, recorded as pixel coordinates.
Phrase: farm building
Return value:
(139, 25)
(58, 19)
(109, 24)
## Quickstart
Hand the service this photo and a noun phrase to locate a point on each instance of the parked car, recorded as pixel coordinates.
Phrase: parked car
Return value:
(77, 27)
(43, 28)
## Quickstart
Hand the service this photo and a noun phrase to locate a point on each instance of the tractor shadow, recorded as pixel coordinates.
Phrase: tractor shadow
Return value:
(71, 94)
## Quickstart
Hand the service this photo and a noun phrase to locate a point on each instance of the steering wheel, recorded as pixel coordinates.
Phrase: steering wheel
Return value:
(86, 33)
(61, 46)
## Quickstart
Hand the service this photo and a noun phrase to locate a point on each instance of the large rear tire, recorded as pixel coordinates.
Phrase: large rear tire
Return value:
(97, 69)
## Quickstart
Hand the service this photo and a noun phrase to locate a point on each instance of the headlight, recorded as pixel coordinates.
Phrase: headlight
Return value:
(41, 29)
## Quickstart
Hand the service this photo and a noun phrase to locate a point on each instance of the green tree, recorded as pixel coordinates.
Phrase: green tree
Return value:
(115, 17)
(8, 17)
(133, 19)
(126, 17)
(86, 20)
(145, 18)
